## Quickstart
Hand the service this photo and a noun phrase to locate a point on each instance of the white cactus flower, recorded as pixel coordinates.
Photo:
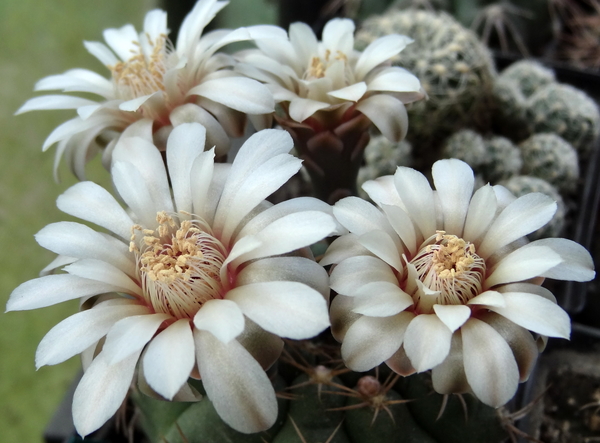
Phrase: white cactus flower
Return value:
(445, 280)
(324, 84)
(154, 80)
(201, 283)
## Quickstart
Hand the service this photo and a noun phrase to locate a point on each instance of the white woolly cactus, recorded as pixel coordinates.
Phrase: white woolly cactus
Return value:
(455, 69)
(550, 157)
(566, 111)
(528, 75)
(466, 145)
(524, 184)
(510, 108)
(502, 159)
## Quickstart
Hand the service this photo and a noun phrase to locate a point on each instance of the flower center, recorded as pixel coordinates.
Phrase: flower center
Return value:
(143, 74)
(318, 66)
(179, 265)
(451, 267)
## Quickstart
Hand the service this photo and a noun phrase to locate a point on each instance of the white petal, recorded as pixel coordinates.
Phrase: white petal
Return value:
(395, 79)
(169, 359)
(130, 335)
(535, 313)
(488, 298)
(100, 392)
(201, 178)
(101, 52)
(133, 190)
(354, 272)
(343, 247)
(135, 104)
(372, 340)
(53, 102)
(382, 246)
(239, 93)
(379, 51)
(417, 196)
(524, 263)
(102, 271)
(481, 212)
(427, 341)
(302, 108)
(577, 263)
(298, 269)
(53, 289)
(489, 363)
(222, 318)
(453, 316)
(148, 161)
(304, 41)
(307, 227)
(78, 80)
(361, 217)
(185, 143)
(454, 184)
(76, 333)
(122, 41)
(216, 136)
(155, 24)
(351, 93)
(91, 202)
(338, 35)
(381, 299)
(387, 113)
(287, 309)
(236, 384)
(403, 226)
(519, 218)
(79, 241)
(382, 191)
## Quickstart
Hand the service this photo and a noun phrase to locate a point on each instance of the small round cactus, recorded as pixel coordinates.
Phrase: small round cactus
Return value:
(524, 184)
(550, 157)
(382, 157)
(454, 67)
(466, 145)
(529, 76)
(566, 111)
(502, 159)
(510, 109)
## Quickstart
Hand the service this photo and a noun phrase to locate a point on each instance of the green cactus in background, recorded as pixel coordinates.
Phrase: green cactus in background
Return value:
(466, 145)
(502, 159)
(566, 111)
(382, 157)
(326, 405)
(524, 184)
(510, 109)
(551, 158)
(529, 76)
(454, 68)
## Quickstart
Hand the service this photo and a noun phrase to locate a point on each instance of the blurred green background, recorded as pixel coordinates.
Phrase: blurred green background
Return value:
(38, 38)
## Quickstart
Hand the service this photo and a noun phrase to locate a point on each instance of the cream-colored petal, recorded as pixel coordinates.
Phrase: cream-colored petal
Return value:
(427, 341)
(454, 184)
(387, 113)
(453, 316)
(489, 363)
(522, 264)
(449, 377)
(381, 299)
(222, 318)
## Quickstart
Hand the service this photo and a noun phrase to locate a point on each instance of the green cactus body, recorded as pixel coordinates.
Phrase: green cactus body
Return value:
(393, 422)
(524, 184)
(510, 109)
(502, 159)
(465, 145)
(454, 68)
(175, 422)
(473, 422)
(566, 111)
(529, 76)
(310, 416)
(551, 158)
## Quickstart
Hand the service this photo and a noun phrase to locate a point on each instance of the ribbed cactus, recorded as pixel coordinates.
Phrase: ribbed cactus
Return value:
(524, 184)
(566, 111)
(454, 68)
(551, 158)
(319, 406)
